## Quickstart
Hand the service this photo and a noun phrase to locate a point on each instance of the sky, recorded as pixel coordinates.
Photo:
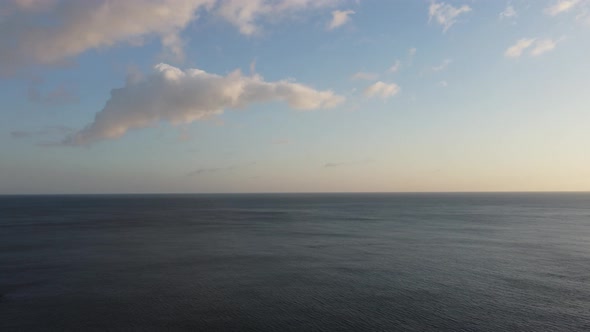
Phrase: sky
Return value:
(215, 96)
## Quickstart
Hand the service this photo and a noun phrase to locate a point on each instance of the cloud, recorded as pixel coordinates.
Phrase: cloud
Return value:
(561, 6)
(509, 12)
(45, 132)
(443, 84)
(517, 49)
(536, 47)
(246, 14)
(349, 163)
(382, 90)
(78, 26)
(444, 65)
(48, 32)
(446, 14)
(364, 76)
(543, 46)
(201, 171)
(176, 96)
(339, 18)
(395, 67)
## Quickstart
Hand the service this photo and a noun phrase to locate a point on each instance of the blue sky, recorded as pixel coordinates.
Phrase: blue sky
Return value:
(294, 96)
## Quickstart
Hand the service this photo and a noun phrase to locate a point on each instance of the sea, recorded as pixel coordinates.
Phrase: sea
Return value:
(296, 262)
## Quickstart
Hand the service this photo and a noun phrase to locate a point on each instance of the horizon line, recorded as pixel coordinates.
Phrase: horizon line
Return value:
(306, 193)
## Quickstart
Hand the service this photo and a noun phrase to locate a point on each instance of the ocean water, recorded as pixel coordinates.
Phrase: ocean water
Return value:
(296, 262)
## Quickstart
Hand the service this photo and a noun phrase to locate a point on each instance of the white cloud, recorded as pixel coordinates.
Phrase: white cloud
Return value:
(444, 65)
(561, 6)
(446, 14)
(543, 46)
(383, 90)
(364, 76)
(536, 47)
(246, 14)
(339, 18)
(517, 49)
(395, 67)
(78, 26)
(412, 51)
(509, 12)
(180, 97)
(443, 84)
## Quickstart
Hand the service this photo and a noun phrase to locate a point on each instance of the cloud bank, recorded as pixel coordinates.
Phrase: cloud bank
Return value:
(50, 31)
(176, 96)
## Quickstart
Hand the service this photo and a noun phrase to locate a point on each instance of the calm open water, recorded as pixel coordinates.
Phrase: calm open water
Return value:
(346, 262)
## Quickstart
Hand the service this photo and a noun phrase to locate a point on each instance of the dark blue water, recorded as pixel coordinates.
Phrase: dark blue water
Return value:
(406, 262)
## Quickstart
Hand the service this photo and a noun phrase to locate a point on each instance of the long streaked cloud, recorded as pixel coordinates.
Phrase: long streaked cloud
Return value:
(533, 46)
(26, 37)
(382, 90)
(446, 14)
(176, 96)
(339, 18)
(519, 47)
(47, 132)
(247, 14)
(206, 170)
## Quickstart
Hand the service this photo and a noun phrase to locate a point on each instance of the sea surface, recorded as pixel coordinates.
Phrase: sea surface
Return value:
(296, 262)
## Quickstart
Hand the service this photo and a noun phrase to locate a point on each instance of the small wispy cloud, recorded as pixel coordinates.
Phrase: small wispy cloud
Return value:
(508, 13)
(446, 14)
(442, 66)
(348, 163)
(206, 170)
(395, 67)
(536, 46)
(519, 47)
(443, 84)
(543, 46)
(382, 90)
(339, 18)
(43, 133)
(561, 6)
(365, 76)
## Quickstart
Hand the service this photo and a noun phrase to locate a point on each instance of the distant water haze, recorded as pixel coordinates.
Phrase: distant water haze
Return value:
(295, 262)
